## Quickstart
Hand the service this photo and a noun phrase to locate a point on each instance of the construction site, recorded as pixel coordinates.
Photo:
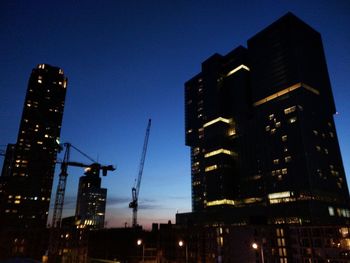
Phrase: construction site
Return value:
(68, 237)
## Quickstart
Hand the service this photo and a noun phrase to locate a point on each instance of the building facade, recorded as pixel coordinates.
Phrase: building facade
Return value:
(91, 200)
(28, 170)
(259, 122)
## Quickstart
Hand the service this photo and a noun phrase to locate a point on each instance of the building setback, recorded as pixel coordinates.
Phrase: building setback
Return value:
(259, 122)
(28, 170)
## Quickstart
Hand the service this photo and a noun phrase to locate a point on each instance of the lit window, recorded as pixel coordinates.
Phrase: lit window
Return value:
(289, 110)
(271, 116)
(280, 195)
(211, 168)
(292, 120)
(221, 202)
(220, 119)
(267, 128)
(287, 159)
(284, 138)
(40, 81)
(278, 124)
(331, 134)
(276, 161)
(284, 171)
(231, 132)
(315, 132)
(237, 69)
(219, 151)
(318, 148)
(331, 211)
(285, 91)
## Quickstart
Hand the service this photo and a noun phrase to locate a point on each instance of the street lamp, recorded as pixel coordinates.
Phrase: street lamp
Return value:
(181, 244)
(140, 243)
(255, 246)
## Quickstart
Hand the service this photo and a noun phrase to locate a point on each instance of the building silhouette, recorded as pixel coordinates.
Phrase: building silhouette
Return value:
(28, 170)
(259, 122)
(91, 200)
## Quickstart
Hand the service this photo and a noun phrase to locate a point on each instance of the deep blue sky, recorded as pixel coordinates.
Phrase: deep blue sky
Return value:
(127, 61)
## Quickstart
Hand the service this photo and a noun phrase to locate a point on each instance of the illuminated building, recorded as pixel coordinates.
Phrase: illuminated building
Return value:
(91, 200)
(259, 122)
(27, 175)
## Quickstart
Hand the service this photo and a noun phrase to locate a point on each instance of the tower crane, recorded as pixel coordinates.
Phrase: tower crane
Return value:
(136, 189)
(61, 188)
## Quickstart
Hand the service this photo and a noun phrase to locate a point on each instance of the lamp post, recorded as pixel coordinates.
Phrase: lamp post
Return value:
(255, 246)
(140, 243)
(181, 244)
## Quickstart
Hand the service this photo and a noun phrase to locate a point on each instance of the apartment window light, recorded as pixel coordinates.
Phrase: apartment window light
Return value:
(219, 119)
(237, 69)
(211, 168)
(285, 91)
(287, 159)
(289, 110)
(219, 151)
(221, 202)
(292, 120)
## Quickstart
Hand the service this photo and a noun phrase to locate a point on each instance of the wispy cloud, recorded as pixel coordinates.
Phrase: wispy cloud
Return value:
(117, 200)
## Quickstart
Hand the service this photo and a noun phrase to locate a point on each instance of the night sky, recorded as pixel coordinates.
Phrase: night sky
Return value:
(127, 61)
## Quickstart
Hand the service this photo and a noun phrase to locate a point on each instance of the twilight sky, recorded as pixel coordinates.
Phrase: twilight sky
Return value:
(127, 61)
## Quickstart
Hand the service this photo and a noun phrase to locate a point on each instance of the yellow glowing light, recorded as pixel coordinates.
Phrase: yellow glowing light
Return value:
(280, 195)
(236, 69)
(285, 91)
(221, 202)
(211, 168)
(215, 121)
(219, 151)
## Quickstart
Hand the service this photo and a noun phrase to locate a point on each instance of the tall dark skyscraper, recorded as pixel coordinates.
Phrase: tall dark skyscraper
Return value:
(91, 200)
(259, 122)
(28, 170)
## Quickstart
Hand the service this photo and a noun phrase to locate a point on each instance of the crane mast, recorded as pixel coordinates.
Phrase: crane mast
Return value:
(61, 187)
(136, 189)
